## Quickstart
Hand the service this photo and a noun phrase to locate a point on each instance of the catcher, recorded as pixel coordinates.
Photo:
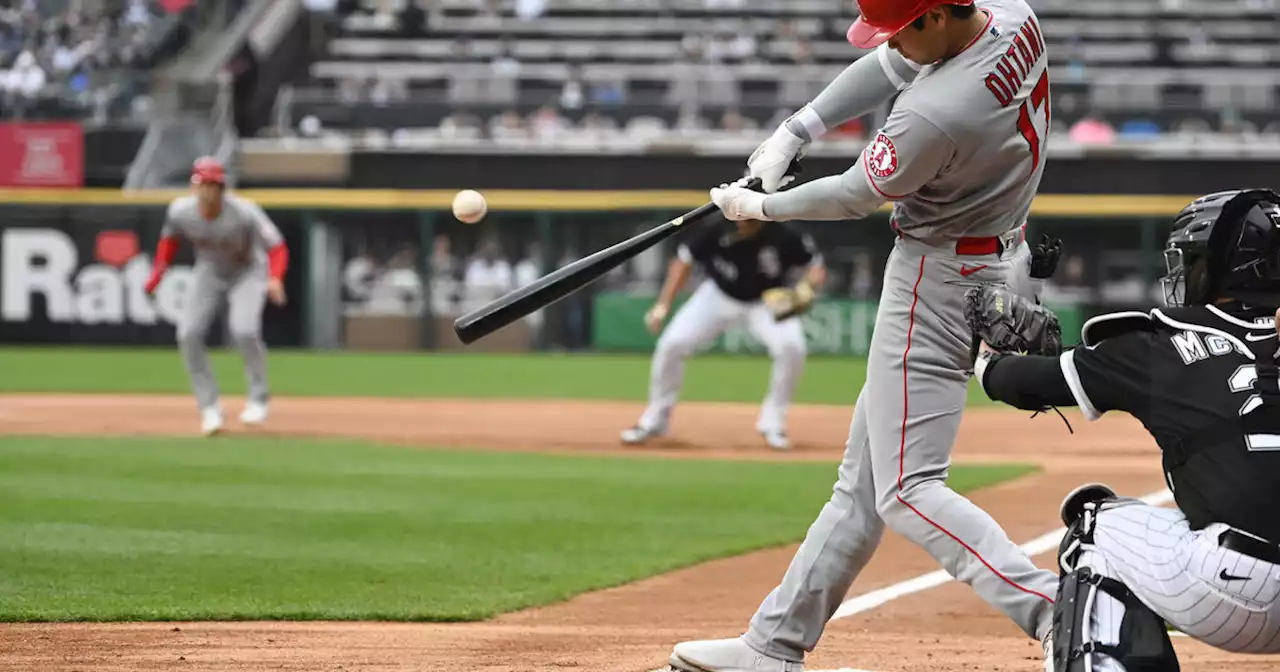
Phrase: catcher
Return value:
(749, 267)
(1201, 375)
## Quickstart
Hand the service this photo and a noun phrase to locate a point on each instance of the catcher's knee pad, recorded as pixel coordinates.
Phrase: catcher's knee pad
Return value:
(1143, 643)
(1079, 512)
(1073, 505)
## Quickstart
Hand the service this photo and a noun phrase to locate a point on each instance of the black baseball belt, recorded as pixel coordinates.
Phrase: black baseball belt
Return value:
(1250, 546)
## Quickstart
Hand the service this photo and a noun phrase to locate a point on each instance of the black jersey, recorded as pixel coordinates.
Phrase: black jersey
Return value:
(1203, 382)
(744, 267)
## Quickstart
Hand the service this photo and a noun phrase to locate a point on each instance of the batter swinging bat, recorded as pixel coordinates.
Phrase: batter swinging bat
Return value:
(560, 283)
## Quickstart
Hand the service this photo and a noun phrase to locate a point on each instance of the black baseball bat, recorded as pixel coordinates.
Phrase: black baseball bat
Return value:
(560, 283)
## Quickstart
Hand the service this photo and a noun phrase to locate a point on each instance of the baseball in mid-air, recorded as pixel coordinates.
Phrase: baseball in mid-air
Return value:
(469, 206)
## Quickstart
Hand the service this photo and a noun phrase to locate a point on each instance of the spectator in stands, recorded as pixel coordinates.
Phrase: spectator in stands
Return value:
(547, 124)
(733, 121)
(572, 95)
(413, 19)
(351, 89)
(1069, 286)
(1092, 130)
(529, 268)
(689, 121)
(608, 92)
(594, 123)
(25, 81)
(138, 12)
(64, 59)
(460, 125)
(488, 275)
(389, 89)
(1192, 127)
(528, 10)
(504, 63)
(1233, 124)
(445, 291)
(730, 46)
(507, 126)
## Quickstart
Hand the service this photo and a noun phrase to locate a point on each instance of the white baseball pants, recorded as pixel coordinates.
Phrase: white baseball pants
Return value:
(707, 314)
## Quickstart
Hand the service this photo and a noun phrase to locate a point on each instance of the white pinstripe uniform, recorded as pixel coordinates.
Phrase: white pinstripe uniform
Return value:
(1178, 572)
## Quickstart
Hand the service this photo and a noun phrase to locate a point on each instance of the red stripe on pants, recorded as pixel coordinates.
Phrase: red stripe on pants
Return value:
(902, 448)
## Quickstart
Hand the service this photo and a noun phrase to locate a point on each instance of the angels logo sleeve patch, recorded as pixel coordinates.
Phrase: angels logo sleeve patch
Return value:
(906, 154)
(882, 157)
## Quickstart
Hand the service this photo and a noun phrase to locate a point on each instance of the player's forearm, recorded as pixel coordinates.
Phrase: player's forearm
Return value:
(166, 250)
(1029, 382)
(866, 84)
(277, 261)
(832, 198)
(677, 275)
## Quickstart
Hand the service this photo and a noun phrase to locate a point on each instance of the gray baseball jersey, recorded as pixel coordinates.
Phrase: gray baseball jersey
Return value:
(961, 153)
(235, 241)
(231, 266)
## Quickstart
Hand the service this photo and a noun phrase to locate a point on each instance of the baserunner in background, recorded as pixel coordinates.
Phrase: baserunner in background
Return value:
(240, 258)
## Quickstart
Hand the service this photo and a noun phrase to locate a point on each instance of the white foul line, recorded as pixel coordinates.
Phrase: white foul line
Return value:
(1040, 544)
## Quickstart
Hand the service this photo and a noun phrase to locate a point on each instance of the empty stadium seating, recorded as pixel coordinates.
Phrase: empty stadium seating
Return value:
(1137, 64)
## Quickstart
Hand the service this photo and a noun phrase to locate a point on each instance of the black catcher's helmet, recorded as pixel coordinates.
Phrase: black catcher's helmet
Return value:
(1225, 245)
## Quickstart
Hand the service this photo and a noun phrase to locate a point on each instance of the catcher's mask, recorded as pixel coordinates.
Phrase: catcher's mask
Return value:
(1225, 245)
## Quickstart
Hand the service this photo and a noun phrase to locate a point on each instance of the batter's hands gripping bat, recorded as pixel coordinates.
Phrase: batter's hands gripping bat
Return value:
(560, 283)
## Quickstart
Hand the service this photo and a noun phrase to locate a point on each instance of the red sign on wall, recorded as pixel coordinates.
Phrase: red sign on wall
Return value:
(41, 155)
(174, 6)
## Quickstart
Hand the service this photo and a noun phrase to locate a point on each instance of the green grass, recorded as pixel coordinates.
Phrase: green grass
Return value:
(143, 529)
(826, 380)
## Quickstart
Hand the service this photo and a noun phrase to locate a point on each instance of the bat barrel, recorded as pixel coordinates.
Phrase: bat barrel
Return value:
(560, 283)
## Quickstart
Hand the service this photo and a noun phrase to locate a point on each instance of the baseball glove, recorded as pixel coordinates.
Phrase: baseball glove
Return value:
(1044, 257)
(1010, 323)
(786, 302)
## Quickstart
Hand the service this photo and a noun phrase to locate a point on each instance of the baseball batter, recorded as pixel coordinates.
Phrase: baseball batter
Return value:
(960, 156)
(1201, 376)
(743, 264)
(240, 258)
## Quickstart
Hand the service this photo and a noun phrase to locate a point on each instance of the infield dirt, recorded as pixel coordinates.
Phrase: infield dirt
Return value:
(630, 628)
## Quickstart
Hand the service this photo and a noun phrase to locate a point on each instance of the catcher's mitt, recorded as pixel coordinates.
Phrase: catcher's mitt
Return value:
(785, 302)
(1010, 323)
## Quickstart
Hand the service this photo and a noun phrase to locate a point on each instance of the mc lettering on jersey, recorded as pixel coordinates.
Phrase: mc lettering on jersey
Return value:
(45, 263)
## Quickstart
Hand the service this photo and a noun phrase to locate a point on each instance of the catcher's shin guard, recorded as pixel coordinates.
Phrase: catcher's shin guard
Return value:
(1143, 644)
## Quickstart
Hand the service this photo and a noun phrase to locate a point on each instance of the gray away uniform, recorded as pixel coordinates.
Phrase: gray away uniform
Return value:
(231, 264)
(961, 157)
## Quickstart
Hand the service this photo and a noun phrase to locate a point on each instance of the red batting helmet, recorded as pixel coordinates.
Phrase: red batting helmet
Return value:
(208, 170)
(882, 19)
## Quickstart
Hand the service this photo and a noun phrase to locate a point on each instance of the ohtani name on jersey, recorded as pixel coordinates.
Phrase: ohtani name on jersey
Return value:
(1193, 347)
(1028, 48)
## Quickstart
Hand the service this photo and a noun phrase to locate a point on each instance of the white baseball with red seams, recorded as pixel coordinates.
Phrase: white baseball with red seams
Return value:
(961, 156)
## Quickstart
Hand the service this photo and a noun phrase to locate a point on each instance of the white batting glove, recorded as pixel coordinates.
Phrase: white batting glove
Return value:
(737, 202)
(772, 158)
